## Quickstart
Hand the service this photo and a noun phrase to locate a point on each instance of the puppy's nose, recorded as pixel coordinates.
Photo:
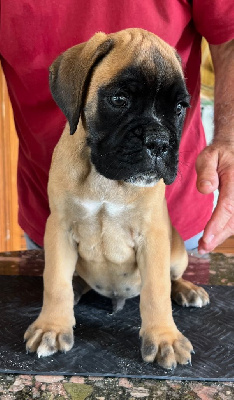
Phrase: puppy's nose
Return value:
(157, 146)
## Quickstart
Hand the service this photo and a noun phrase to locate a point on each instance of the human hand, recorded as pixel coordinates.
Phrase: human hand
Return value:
(215, 170)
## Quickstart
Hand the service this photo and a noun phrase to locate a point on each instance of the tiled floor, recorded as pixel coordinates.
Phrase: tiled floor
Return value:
(79, 388)
(216, 269)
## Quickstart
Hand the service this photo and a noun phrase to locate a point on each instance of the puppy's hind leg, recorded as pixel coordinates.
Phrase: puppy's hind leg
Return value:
(183, 292)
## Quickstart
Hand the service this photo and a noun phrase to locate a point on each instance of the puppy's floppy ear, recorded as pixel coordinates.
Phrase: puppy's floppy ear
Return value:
(70, 72)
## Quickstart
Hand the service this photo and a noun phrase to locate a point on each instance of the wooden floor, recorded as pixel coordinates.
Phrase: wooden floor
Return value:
(226, 247)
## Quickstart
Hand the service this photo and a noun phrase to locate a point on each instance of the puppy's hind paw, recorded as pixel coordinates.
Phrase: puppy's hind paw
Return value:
(187, 294)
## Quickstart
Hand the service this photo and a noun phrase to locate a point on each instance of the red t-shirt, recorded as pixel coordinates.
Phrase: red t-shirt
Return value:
(33, 33)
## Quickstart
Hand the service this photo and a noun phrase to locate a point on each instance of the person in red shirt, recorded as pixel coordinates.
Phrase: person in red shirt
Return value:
(33, 34)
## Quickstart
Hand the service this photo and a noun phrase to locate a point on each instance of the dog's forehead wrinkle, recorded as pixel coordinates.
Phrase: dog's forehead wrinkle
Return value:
(146, 57)
(143, 44)
(150, 79)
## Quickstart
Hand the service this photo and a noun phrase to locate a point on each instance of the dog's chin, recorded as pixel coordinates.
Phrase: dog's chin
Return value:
(143, 180)
(148, 180)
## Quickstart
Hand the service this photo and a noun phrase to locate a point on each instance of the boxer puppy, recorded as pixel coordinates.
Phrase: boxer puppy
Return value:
(124, 97)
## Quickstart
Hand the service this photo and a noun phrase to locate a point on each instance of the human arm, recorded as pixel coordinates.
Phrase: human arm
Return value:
(215, 164)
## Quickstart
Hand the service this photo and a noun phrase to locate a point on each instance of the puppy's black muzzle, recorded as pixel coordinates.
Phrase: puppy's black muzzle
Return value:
(156, 141)
(147, 152)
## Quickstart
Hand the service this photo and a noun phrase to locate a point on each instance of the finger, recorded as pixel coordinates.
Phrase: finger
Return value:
(206, 167)
(221, 224)
(204, 247)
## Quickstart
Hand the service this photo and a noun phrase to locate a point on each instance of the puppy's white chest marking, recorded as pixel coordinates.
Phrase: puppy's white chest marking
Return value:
(103, 232)
(112, 209)
(91, 207)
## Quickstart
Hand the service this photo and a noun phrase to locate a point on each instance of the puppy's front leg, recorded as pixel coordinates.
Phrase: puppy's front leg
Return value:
(53, 329)
(161, 339)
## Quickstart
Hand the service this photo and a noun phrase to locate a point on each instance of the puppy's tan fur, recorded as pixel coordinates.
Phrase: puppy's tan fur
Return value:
(118, 237)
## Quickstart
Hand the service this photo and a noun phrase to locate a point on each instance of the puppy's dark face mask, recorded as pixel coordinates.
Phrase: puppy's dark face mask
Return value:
(135, 132)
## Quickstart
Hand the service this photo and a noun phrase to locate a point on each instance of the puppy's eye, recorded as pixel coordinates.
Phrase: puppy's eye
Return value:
(119, 100)
(179, 108)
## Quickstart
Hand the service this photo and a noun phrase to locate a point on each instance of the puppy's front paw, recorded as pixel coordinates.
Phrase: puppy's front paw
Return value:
(47, 338)
(167, 348)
